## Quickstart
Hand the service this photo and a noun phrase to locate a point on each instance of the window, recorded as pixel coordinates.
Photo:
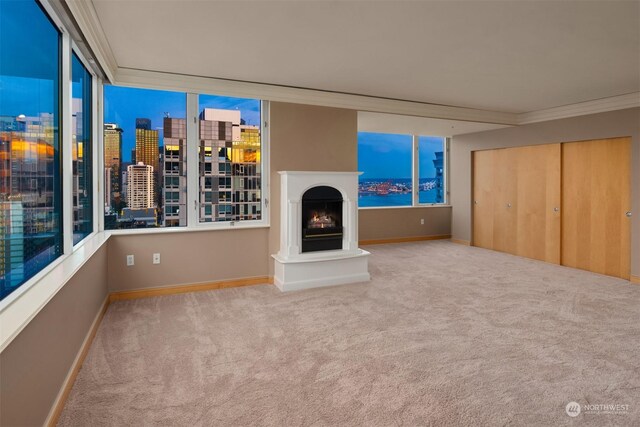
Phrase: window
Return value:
(431, 151)
(81, 150)
(386, 163)
(146, 146)
(145, 138)
(391, 171)
(30, 160)
(229, 159)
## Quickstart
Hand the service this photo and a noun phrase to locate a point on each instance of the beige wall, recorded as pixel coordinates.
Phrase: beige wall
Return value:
(187, 257)
(403, 222)
(596, 126)
(33, 367)
(302, 137)
(310, 138)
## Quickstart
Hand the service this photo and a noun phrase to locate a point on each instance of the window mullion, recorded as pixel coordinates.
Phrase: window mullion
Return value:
(264, 157)
(415, 177)
(66, 145)
(445, 175)
(98, 156)
(193, 184)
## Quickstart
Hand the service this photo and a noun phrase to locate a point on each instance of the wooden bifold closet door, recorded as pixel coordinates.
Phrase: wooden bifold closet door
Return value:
(516, 207)
(566, 203)
(596, 205)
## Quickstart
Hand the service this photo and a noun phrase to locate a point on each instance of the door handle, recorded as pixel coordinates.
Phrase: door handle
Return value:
(556, 209)
(508, 205)
(628, 214)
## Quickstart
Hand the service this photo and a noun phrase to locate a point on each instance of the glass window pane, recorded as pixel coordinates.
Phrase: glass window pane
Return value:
(431, 149)
(30, 181)
(229, 127)
(145, 137)
(385, 160)
(81, 150)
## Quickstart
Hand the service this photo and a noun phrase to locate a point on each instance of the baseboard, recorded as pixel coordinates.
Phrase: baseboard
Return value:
(460, 241)
(61, 399)
(403, 239)
(182, 289)
(635, 279)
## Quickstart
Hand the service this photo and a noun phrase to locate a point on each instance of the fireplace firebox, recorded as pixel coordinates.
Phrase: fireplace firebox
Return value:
(321, 219)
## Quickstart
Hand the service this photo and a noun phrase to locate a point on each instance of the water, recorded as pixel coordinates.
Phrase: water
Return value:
(366, 199)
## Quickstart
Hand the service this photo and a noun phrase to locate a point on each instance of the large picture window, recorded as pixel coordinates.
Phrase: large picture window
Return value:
(431, 155)
(386, 162)
(146, 147)
(145, 158)
(82, 150)
(401, 170)
(229, 159)
(30, 164)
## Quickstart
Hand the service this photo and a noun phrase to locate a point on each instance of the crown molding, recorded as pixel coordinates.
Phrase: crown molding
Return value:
(613, 103)
(198, 84)
(85, 15)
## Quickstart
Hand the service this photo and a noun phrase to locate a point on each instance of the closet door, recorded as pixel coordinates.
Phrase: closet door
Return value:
(505, 195)
(595, 201)
(537, 205)
(483, 166)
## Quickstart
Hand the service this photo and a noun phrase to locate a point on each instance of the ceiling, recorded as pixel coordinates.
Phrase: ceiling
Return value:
(508, 56)
(392, 123)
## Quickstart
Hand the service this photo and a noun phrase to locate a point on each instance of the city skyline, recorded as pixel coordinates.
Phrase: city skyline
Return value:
(123, 105)
(229, 159)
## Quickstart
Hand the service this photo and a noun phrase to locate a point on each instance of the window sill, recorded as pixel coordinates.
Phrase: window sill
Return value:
(367, 208)
(204, 227)
(20, 307)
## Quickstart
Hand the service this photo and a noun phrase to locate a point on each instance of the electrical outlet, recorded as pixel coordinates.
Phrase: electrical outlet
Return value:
(421, 221)
(130, 260)
(156, 258)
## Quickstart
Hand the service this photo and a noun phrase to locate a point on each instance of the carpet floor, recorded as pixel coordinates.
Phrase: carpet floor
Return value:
(443, 334)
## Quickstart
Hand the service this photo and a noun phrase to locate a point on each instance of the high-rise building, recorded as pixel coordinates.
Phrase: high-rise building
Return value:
(143, 124)
(30, 218)
(229, 169)
(148, 153)
(146, 144)
(113, 159)
(12, 245)
(438, 163)
(174, 171)
(140, 187)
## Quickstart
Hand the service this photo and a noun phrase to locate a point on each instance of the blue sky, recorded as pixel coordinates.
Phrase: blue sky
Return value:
(27, 70)
(383, 155)
(122, 105)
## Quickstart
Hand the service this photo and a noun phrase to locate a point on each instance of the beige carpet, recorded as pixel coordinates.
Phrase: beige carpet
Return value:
(443, 335)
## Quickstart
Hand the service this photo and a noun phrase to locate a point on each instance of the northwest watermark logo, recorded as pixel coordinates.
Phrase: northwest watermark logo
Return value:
(573, 409)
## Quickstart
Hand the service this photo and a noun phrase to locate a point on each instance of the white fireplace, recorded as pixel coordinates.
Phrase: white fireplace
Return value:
(319, 231)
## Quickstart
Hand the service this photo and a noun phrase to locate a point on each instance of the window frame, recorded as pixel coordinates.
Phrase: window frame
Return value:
(192, 118)
(95, 153)
(445, 174)
(68, 47)
(415, 175)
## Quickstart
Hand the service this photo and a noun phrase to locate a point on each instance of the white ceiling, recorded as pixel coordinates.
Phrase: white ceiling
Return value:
(392, 123)
(509, 56)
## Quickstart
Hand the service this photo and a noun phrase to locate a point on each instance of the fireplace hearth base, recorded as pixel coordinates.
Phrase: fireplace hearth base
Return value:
(303, 260)
(319, 269)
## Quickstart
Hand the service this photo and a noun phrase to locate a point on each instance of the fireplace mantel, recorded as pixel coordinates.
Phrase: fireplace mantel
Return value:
(297, 270)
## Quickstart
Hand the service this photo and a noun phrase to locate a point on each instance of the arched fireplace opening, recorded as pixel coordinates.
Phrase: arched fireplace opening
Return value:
(321, 219)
